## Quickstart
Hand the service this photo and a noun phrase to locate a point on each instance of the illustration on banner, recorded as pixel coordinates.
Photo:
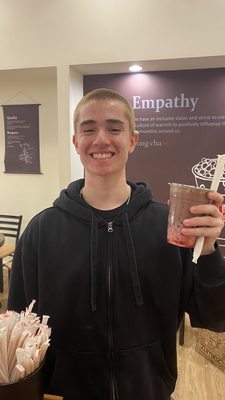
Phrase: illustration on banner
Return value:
(203, 172)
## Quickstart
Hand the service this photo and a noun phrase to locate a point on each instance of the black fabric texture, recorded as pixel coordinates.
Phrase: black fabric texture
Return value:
(115, 297)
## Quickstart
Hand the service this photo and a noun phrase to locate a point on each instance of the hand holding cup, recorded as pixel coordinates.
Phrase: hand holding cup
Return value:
(194, 212)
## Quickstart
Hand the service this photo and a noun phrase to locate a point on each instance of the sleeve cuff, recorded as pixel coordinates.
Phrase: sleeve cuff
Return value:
(211, 268)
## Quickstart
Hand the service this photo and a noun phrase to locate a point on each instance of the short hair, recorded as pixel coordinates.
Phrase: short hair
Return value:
(102, 94)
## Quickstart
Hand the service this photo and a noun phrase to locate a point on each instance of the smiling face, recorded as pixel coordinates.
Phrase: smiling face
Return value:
(102, 138)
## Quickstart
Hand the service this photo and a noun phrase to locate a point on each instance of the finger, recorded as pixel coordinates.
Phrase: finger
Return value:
(207, 209)
(210, 232)
(216, 198)
(204, 221)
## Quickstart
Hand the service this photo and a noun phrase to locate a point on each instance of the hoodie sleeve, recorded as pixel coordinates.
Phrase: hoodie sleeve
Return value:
(23, 286)
(17, 296)
(207, 305)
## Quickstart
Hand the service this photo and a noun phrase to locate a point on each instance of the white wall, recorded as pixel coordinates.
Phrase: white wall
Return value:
(70, 32)
(72, 37)
(76, 92)
(27, 194)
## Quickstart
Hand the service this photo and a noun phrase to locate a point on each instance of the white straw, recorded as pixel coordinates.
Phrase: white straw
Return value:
(214, 186)
(24, 340)
(18, 373)
(3, 355)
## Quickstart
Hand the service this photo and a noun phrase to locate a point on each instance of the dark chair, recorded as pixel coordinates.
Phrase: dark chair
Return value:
(10, 226)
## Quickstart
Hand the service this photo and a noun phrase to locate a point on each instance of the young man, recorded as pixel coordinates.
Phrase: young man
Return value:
(99, 264)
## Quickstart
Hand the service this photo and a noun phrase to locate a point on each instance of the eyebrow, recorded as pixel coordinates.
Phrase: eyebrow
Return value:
(115, 121)
(110, 120)
(87, 122)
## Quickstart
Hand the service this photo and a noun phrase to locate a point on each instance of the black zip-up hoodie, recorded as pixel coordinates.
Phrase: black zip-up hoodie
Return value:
(115, 294)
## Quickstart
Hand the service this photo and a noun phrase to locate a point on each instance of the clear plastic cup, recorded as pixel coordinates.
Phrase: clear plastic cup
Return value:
(182, 197)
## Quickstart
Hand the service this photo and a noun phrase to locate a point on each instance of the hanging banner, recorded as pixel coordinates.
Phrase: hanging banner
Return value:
(21, 123)
(180, 117)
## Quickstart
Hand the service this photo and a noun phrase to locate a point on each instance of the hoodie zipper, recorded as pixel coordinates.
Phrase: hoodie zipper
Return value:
(110, 329)
(110, 226)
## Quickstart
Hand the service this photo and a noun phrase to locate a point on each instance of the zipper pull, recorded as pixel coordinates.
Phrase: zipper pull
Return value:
(110, 227)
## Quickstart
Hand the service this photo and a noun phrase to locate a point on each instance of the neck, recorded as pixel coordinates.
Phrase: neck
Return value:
(106, 194)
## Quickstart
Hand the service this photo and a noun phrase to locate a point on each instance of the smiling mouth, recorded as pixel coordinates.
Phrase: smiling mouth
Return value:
(100, 156)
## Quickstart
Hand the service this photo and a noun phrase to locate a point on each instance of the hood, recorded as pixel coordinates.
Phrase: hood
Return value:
(71, 202)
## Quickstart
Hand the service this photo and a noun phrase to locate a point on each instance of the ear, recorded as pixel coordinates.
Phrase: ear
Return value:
(75, 142)
(133, 141)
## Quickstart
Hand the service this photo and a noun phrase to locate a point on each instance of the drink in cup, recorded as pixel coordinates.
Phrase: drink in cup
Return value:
(182, 197)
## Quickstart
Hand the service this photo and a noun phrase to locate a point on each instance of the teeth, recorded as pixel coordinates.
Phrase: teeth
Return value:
(102, 155)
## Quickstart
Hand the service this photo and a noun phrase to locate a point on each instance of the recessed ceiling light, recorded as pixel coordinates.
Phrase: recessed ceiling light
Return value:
(135, 68)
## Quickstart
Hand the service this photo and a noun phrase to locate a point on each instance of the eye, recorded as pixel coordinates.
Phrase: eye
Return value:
(114, 131)
(88, 131)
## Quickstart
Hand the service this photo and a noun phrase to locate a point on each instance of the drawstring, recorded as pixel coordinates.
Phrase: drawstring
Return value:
(93, 261)
(133, 263)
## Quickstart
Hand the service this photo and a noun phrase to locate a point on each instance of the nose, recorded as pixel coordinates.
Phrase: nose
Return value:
(101, 138)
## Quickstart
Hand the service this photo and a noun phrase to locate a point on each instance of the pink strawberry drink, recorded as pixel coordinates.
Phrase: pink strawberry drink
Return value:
(182, 197)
